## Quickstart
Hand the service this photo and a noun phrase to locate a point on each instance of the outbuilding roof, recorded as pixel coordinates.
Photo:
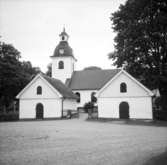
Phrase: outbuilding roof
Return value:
(90, 79)
(60, 87)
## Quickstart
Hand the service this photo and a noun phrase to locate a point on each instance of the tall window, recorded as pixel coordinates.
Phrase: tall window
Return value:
(61, 65)
(78, 94)
(123, 87)
(39, 90)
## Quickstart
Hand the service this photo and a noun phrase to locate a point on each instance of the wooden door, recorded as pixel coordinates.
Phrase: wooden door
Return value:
(124, 110)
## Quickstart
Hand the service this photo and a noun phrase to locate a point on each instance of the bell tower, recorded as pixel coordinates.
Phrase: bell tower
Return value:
(63, 60)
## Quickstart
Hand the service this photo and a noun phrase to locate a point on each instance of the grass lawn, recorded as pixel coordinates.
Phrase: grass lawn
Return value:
(79, 142)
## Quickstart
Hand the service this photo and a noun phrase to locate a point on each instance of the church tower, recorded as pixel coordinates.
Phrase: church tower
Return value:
(63, 61)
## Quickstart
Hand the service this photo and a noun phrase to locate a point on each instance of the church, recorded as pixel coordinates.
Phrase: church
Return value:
(119, 95)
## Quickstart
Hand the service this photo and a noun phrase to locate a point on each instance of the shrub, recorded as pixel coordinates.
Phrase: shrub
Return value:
(88, 106)
(10, 116)
(160, 115)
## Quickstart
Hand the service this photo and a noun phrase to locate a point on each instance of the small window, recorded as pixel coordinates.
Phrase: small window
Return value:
(78, 94)
(61, 65)
(63, 38)
(123, 87)
(39, 90)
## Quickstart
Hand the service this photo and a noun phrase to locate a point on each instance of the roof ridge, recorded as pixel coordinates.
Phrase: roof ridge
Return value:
(98, 70)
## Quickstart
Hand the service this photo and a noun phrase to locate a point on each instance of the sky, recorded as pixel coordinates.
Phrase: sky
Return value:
(33, 27)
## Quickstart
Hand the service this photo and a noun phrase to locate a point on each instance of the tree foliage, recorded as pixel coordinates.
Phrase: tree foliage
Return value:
(141, 41)
(14, 74)
(49, 70)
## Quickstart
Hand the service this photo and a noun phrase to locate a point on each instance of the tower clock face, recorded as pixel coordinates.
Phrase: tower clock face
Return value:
(61, 51)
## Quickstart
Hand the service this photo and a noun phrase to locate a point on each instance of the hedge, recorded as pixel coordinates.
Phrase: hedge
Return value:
(10, 116)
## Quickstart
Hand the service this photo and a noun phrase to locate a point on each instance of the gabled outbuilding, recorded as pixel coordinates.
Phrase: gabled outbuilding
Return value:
(45, 97)
(124, 97)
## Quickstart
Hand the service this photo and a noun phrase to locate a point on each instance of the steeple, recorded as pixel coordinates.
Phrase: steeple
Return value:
(63, 60)
(63, 35)
(63, 48)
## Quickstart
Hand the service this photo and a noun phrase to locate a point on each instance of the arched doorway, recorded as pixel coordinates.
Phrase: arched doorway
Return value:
(39, 111)
(124, 110)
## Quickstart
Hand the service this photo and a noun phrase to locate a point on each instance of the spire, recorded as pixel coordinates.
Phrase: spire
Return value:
(63, 35)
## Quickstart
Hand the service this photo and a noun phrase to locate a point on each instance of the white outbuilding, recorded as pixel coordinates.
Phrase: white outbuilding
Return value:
(124, 97)
(45, 97)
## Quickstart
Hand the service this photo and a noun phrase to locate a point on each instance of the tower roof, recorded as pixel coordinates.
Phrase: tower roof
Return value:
(63, 49)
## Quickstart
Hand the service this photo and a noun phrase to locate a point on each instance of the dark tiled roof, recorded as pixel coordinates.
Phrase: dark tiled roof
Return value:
(91, 79)
(60, 87)
(65, 46)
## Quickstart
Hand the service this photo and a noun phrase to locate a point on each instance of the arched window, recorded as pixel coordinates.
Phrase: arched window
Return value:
(61, 65)
(39, 90)
(78, 94)
(123, 87)
(93, 98)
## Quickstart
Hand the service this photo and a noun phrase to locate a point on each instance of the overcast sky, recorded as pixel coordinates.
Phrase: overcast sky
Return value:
(33, 27)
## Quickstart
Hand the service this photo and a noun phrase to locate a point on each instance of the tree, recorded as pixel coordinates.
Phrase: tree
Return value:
(14, 74)
(49, 71)
(141, 41)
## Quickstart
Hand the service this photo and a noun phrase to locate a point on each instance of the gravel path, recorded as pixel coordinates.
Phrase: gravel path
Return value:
(78, 142)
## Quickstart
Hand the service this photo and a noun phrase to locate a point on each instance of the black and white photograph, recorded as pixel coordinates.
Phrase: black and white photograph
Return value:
(83, 82)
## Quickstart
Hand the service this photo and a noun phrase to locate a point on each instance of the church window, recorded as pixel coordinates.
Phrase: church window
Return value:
(123, 87)
(39, 90)
(78, 95)
(61, 65)
(63, 38)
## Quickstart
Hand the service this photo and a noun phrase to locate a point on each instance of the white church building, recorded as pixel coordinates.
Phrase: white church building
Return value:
(119, 95)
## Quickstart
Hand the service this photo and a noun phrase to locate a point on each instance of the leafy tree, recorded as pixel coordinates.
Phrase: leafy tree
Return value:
(14, 74)
(49, 70)
(141, 41)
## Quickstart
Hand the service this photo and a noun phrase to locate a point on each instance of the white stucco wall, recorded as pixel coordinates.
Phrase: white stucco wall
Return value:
(52, 108)
(139, 100)
(69, 104)
(85, 96)
(133, 89)
(63, 74)
(50, 99)
(31, 92)
(139, 107)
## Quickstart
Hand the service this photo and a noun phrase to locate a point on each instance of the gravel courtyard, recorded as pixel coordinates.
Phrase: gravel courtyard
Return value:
(76, 142)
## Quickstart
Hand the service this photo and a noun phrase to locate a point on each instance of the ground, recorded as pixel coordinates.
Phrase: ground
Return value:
(79, 142)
